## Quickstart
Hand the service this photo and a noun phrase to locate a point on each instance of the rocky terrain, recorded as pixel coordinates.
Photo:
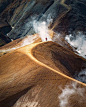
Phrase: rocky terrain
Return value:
(40, 63)
(67, 15)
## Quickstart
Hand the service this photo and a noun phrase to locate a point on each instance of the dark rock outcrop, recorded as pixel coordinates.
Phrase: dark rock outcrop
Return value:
(4, 4)
(74, 19)
(68, 16)
(4, 29)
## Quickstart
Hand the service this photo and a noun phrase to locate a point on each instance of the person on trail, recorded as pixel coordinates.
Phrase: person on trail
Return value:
(46, 39)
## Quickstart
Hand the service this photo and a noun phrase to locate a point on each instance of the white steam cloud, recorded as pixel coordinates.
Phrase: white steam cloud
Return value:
(73, 96)
(78, 42)
(81, 76)
(29, 39)
(42, 29)
(25, 41)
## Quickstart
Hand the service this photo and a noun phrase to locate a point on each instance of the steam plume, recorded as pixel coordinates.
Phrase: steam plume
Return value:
(78, 42)
(72, 96)
(81, 76)
(42, 29)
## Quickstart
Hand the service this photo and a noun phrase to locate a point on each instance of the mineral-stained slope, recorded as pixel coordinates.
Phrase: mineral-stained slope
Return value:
(37, 73)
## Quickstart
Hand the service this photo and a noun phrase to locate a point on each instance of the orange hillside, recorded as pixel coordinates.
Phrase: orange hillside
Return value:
(38, 72)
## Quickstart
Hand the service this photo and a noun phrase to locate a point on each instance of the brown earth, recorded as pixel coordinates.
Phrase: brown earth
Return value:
(41, 74)
(41, 70)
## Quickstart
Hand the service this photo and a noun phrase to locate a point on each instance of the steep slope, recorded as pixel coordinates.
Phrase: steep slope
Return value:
(58, 56)
(4, 29)
(15, 44)
(19, 43)
(42, 76)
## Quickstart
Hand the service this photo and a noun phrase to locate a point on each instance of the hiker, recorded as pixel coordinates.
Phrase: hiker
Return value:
(46, 39)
